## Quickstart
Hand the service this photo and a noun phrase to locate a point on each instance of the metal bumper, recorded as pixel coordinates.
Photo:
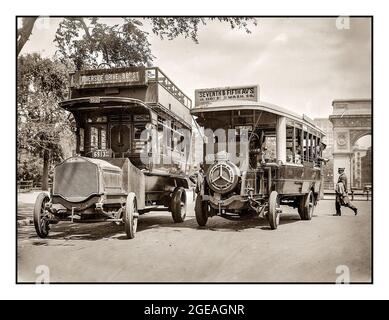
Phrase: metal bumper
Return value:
(235, 202)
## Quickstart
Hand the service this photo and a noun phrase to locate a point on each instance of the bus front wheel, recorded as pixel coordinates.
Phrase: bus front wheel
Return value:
(201, 211)
(41, 216)
(274, 210)
(131, 216)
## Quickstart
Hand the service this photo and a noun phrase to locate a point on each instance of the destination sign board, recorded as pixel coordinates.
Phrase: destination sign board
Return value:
(205, 96)
(108, 78)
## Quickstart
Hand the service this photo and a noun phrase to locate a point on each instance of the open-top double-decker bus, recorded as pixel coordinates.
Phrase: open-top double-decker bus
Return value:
(133, 130)
(257, 156)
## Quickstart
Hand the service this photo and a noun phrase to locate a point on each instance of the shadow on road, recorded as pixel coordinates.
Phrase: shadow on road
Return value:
(108, 230)
(214, 224)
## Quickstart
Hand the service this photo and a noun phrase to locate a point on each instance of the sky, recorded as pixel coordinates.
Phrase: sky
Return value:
(301, 64)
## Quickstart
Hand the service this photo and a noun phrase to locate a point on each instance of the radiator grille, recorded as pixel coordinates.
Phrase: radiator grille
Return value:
(76, 179)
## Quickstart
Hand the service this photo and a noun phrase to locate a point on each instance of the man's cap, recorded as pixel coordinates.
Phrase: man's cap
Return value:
(341, 169)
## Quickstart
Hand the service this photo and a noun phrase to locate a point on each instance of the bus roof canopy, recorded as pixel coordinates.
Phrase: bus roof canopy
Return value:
(235, 105)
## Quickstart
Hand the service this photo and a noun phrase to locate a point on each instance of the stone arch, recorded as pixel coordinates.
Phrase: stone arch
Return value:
(351, 120)
(355, 135)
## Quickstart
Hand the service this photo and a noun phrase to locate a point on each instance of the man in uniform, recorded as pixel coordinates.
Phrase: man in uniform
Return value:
(342, 198)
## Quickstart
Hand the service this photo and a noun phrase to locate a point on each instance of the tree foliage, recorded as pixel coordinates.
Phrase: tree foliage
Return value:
(42, 83)
(89, 43)
(188, 27)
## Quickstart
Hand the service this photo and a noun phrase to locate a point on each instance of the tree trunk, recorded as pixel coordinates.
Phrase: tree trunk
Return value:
(25, 31)
(45, 173)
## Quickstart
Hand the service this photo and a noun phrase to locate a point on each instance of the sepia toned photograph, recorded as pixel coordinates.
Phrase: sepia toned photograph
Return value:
(231, 149)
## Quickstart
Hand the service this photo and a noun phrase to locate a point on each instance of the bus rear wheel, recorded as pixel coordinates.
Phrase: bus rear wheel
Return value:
(178, 205)
(201, 211)
(307, 206)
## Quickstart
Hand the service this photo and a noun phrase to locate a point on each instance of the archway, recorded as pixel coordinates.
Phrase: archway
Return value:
(351, 120)
(361, 174)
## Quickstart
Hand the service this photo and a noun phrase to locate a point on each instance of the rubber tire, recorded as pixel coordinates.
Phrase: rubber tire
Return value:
(273, 214)
(178, 205)
(38, 208)
(305, 210)
(201, 212)
(131, 216)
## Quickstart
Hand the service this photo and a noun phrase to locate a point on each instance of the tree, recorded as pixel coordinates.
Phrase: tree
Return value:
(41, 83)
(173, 27)
(88, 43)
(24, 32)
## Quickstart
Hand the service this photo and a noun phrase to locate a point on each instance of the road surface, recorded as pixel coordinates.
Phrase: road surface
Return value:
(319, 250)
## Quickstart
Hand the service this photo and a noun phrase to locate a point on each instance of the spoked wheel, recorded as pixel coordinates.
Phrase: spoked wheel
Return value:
(274, 210)
(131, 216)
(41, 216)
(201, 211)
(178, 205)
(307, 206)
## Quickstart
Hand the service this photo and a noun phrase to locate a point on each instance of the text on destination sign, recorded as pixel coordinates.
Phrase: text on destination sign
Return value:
(228, 93)
(127, 77)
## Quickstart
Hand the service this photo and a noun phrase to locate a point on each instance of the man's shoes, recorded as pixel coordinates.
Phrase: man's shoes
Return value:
(337, 215)
(355, 211)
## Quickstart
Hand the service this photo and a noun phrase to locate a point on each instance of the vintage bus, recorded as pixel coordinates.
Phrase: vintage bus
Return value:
(133, 130)
(257, 156)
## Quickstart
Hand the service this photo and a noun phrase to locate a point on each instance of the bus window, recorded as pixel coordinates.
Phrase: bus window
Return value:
(178, 142)
(103, 139)
(138, 131)
(164, 139)
(138, 143)
(98, 137)
(94, 137)
(94, 119)
(305, 146)
(120, 139)
(269, 148)
(290, 144)
(319, 152)
(314, 148)
(81, 141)
(299, 146)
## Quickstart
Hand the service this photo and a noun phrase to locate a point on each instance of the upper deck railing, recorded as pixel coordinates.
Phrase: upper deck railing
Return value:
(155, 74)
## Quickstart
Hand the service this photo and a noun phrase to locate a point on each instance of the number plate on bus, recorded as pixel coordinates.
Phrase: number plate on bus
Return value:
(94, 99)
(101, 153)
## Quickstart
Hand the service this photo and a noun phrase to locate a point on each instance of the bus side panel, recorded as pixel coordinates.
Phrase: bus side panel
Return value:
(166, 99)
(290, 179)
(152, 93)
(133, 179)
(160, 187)
(136, 184)
(298, 179)
(318, 180)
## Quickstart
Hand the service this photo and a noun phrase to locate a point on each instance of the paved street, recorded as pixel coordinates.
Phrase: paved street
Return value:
(224, 251)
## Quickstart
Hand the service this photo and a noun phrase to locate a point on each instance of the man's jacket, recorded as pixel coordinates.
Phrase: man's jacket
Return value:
(340, 189)
(343, 178)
